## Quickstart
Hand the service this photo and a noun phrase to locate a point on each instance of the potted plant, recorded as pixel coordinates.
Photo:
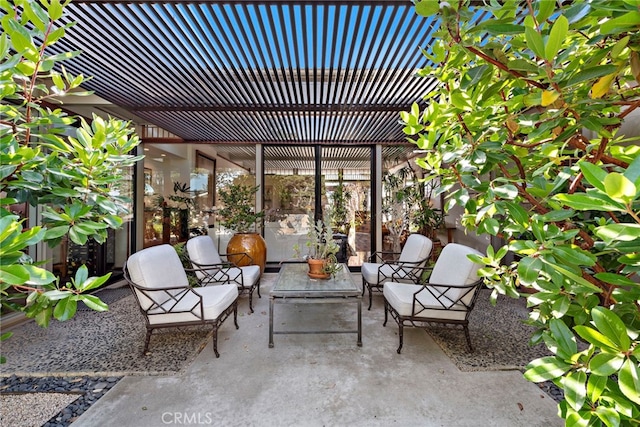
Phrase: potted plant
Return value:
(238, 214)
(321, 251)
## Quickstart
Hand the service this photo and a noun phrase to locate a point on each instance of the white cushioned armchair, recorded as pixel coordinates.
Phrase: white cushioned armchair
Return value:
(211, 269)
(388, 266)
(447, 297)
(161, 287)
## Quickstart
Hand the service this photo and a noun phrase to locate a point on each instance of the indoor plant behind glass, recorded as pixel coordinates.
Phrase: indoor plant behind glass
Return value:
(321, 251)
(238, 214)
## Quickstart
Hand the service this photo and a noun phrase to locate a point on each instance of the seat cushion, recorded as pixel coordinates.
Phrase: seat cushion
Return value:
(215, 300)
(400, 297)
(250, 274)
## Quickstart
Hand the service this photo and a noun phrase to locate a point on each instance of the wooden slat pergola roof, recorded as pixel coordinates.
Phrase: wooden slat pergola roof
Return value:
(257, 72)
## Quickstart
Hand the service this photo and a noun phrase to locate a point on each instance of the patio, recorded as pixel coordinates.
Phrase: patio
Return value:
(324, 379)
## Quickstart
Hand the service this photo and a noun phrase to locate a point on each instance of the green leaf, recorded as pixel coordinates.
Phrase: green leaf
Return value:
(503, 28)
(65, 309)
(563, 336)
(621, 23)
(82, 274)
(575, 389)
(615, 279)
(596, 386)
(528, 270)
(606, 364)
(557, 35)
(56, 232)
(594, 337)
(534, 41)
(93, 282)
(609, 416)
(93, 302)
(508, 191)
(545, 369)
(545, 10)
(593, 174)
(39, 276)
(573, 255)
(629, 381)
(583, 283)
(610, 325)
(427, 8)
(619, 188)
(618, 232)
(590, 202)
(13, 274)
(633, 171)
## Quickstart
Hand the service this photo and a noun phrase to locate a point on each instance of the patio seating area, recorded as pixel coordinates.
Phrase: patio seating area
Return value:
(325, 379)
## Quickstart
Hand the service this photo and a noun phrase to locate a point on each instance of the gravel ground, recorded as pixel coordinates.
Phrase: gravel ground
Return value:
(48, 394)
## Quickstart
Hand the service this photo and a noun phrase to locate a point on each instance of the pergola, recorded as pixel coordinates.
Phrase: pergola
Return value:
(254, 72)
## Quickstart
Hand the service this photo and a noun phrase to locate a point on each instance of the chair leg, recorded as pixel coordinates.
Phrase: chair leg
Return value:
(258, 286)
(364, 284)
(370, 296)
(386, 312)
(215, 341)
(400, 334)
(251, 300)
(235, 314)
(146, 341)
(466, 334)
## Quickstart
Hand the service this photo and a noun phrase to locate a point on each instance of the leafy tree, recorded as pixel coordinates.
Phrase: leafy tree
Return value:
(75, 179)
(524, 133)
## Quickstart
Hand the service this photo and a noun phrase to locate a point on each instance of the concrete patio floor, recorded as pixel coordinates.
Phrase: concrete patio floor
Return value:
(323, 380)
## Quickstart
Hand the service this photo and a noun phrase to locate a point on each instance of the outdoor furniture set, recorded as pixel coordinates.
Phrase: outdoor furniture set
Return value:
(414, 294)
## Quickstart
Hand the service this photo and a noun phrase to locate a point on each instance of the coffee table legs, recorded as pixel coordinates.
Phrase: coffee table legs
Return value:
(359, 322)
(271, 301)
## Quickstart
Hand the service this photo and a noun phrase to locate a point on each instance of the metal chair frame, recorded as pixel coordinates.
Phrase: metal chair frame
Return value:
(439, 292)
(222, 273)
(177, 294)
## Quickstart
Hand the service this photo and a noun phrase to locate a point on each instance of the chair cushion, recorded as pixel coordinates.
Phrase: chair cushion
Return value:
(156, 267)
(202, 250)
(453, 267)
(250, 274)
(215, 300)
(400, 297)
(416, 248)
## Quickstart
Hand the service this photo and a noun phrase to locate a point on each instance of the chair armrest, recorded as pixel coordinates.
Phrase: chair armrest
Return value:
(225, 272)
(379, 257)
(159, 297)
(447, 296)
(241, 258)
(406, 270)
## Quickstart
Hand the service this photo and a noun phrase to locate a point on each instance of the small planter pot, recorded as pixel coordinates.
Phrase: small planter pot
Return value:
(316, 269)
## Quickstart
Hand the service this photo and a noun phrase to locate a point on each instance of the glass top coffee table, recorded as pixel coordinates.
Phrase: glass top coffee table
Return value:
(295, 286)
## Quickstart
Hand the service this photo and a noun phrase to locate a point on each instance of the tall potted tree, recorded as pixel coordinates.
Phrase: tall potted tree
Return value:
(238, 214)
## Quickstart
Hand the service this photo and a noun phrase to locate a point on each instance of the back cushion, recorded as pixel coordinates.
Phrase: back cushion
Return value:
(156, 267)
(416, 248)
(202, 250)
(453, 267)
